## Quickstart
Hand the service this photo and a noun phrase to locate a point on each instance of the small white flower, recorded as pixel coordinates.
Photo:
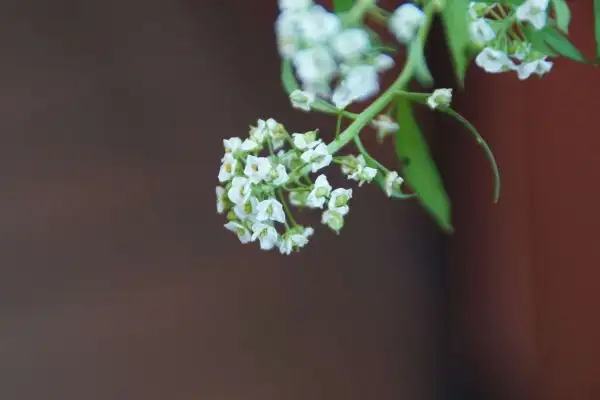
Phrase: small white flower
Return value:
(276, 132)
(360, 172)
(440, 97)
(270, 210)
(315, 65)
(319, 25)
(240, 190)
(221, 200)
(266, 234)
(246, 210)
(305, 141)
(481, 32)
(294, 5)
(494, 61)
(392, 182)
(250, 145)
(318, 196)
(534, 12)
(259, 132)
(543, 67)
(384, 125)
(318, 157)
(338, 200)
(232, 145)
(228, 167)
(279, 175)
(257, 168)
(539, 67)
(242, 232)
(333, 219)
(405, 22)
(295, 239)
(302, 100)
(350, 44)
(383, 62)
(361, 83)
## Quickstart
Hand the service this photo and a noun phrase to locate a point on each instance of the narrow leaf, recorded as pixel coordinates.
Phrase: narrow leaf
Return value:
(563, 46)
(455, 19)
(563, 14)
(419, 168)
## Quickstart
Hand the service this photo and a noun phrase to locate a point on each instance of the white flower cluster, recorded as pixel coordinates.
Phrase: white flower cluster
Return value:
(322, 50)
(254, 187)
(518, 56)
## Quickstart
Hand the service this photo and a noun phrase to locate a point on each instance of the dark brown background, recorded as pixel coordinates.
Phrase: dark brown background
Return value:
(524, 275)
(118, 280)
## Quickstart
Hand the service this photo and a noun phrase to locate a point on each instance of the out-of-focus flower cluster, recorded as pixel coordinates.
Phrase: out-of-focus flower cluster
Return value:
(323, 50)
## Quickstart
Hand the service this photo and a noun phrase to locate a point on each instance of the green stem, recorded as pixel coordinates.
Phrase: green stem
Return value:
(365, 153)
(286, 208)
(388, 95)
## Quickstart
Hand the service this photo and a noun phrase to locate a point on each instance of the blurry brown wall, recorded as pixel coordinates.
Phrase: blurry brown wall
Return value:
(524, 275)
(117, 278)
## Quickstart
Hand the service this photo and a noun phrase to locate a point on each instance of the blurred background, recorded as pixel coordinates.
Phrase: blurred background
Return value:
(118, 280)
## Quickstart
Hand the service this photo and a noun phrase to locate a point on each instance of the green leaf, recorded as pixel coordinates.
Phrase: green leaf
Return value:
(482, 143)
(455, 19)
(287, 77)
(419, 168)
(340, 6)
(563, 46)
(563, 14)
(597, 26)
(538, 41)
(552, 42)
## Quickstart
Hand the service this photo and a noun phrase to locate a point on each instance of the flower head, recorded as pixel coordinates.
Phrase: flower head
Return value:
(440, 97)
(228, 168)
(534, 12)
(494, 61)
(266, 234)
(481, 32)
(318, 196)
(257, 168)
(333, 219)
(350, 44)
(384, 126)
(360, 83)
(405, 22)
(318, 158)
(305, 141)
(294, 239)
(240, 190)
(392, 183)
(302, 100)
(338, 200)
(242, 232)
